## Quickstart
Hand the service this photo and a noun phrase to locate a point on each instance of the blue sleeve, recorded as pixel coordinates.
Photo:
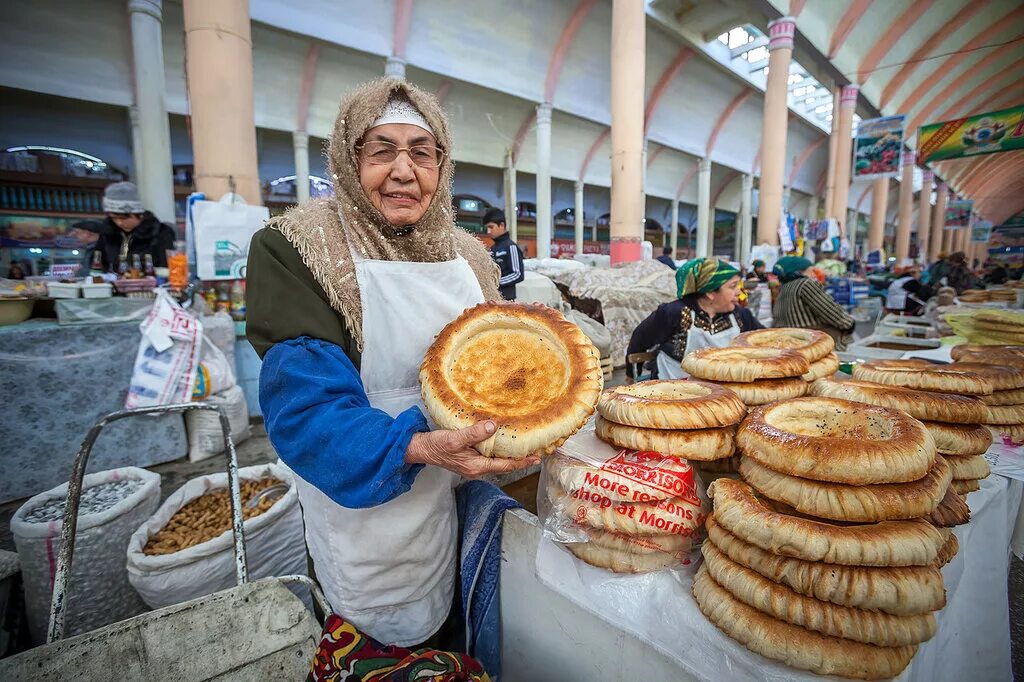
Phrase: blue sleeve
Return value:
(321, 423)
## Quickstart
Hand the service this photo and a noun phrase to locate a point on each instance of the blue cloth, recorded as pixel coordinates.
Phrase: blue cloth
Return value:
(481, 506)
(321, 423)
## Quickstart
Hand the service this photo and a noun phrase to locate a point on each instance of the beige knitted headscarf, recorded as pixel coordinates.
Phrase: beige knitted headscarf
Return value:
(321, 229)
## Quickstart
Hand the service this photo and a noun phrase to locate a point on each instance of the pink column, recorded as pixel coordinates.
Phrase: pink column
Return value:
(879, 205)
(906, 208)
(773, 131)
(924, 219)
(939, 233)
(844, 148)
(628, 61)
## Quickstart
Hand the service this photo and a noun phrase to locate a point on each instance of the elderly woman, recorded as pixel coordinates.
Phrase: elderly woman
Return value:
(803, 302)
(704, 315)
(344, 297)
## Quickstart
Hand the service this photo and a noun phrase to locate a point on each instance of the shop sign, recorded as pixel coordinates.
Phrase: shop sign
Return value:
(877, 147)
(981, 231)
(996, 131)
(958, 214)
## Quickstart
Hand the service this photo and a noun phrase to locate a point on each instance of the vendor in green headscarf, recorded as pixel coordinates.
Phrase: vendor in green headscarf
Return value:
(758, 272)
(803, 302)
(704, 315)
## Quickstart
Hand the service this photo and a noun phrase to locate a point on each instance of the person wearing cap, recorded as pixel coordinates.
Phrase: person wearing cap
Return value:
(505, 252)
(705, 314)
(758, 271)
(344, 297)
(130, 229)
(803, 302)
(666, 257)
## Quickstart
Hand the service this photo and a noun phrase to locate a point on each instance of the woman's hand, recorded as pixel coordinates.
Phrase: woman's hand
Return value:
(453, 450)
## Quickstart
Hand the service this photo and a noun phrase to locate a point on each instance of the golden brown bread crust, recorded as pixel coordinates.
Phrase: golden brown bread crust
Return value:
(624, 554)
(958, 352)
(778, 601)
(923, 405)
(1012, 397)
(1002, 377)
(744, 364)
(900, 591)
(795, 646)
(543, 389)
(959, 439)
(672, 404)
(968, 468)
(1004, 414)
(695, 445)
(859, 503)
(823, 368)
(764, 391)
(952, 511)
(812, 344)
(923, 376)
(838, 441)
(729, 465)
(964, 487)
(889, 543)
(948, 551)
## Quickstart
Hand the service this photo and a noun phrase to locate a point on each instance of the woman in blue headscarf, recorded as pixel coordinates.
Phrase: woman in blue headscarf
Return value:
(704, 315)
(804, 303)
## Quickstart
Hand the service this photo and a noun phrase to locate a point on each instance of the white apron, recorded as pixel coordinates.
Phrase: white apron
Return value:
(390, 569)
(896, 297)
(669, 367)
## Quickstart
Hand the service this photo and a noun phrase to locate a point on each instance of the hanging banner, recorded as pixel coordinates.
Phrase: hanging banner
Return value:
(958, 214)
(981, 231)
(877, 147)
(996, 131)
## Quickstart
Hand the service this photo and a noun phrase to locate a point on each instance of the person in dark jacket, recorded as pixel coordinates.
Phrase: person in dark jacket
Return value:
(505, 252)
(666, 257)
(130, 229)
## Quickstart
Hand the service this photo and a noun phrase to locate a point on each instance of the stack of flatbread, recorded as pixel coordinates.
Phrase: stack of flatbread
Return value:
(815, 346)
(1006, 424)
(691, 420)
(821, 557)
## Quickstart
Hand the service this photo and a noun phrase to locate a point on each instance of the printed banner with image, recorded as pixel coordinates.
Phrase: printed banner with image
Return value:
(877, 147)
(981, 231)
(996, 131)
(958, 214)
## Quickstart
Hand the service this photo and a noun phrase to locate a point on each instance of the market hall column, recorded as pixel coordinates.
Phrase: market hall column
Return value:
(577, 214)
(218, 51)
(924, 219)
(906, 209)
(673, 234)
(940, 234)
(830, 171)
(879, 205)
(773, 131)
(544, 180)
(705, 234)
(300, 143)
(746, 226)
(153, 149)
(844, 147)
(627, 106)
(511, 222)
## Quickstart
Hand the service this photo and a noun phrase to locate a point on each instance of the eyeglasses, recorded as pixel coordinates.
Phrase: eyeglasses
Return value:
(381, 153)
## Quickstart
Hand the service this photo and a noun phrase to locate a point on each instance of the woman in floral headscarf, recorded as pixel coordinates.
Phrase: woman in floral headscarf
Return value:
(704, 315)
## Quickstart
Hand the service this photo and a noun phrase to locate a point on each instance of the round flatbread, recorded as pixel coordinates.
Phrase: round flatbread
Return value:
(623, 554)
(952, 511)
(795, 646)
(901, 591)
(744, 364)
(1004, 414)
(948, 551)
(959, 439)
(889, 543)
(923, 405)
(695, 445)
(1002, 377)
(778, 601)
(964, 487)
(729, 465)
(821, 369)
(677, 516)
(1015, 432)
(674, 404)
(855, 503)
(923, 376)
(526, 367)
(1012, 397)
(982, 351)
(764, 391)
(837, 440)
(968, 468)
(812, 344)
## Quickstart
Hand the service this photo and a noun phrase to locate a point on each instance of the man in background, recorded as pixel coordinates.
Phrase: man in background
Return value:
(666, 257)
(505, 252)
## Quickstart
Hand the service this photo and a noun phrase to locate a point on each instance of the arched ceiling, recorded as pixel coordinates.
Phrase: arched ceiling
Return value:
(932, 60)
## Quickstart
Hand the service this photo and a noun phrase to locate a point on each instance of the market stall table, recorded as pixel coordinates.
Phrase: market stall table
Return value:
(56, 381)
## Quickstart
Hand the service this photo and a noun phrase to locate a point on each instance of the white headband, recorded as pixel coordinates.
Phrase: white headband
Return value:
(402, 111)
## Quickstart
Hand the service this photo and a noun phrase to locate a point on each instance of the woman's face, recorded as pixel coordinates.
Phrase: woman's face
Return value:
(725, 299)
(400, 189)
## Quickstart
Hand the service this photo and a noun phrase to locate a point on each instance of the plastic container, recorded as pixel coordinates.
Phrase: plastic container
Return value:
(15, 310)
(103, 290)
(63, 289)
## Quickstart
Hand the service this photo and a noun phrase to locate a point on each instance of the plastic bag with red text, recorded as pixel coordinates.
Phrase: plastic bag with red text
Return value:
(622, 510)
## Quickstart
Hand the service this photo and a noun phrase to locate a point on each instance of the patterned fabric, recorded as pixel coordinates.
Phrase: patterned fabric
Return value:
(804, 303)
(347, 655)
(703, 275)
(696, 317)
(790, 267)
